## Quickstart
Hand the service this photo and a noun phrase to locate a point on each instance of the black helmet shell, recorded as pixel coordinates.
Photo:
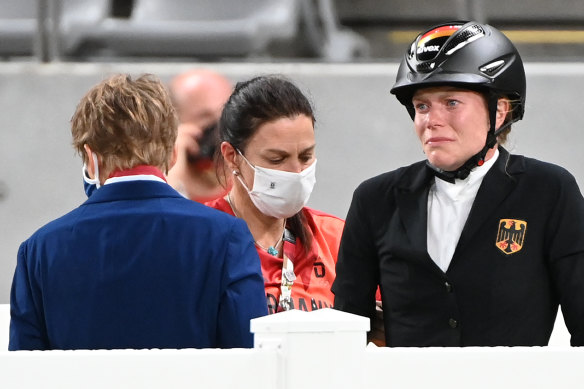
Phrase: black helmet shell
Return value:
(467, 54)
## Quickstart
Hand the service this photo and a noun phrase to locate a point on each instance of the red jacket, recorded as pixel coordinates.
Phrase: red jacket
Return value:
(315, 271)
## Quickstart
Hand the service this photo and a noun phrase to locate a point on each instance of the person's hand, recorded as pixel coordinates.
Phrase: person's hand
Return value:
(377, 333)
(189, 174)
(187, 141)
(186, 147)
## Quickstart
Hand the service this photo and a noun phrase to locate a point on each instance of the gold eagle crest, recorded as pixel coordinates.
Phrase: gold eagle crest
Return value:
(511, 235)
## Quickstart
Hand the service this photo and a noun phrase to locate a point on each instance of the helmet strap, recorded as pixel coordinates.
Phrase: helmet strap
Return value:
(411, 110)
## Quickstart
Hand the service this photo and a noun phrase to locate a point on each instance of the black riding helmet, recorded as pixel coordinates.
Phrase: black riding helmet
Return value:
(471, 56)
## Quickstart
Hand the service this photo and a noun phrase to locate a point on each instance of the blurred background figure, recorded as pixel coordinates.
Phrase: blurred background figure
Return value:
(198, 96)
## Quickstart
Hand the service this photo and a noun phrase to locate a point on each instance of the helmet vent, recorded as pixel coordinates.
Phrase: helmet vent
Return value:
(412, 51)
(425, 67)
(492, 68)
(463, 38)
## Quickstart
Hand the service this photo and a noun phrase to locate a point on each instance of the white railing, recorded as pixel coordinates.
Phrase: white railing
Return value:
(4, 325)
(296, 349)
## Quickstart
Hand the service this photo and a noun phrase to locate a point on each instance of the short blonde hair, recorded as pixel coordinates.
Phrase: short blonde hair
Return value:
(127, 122)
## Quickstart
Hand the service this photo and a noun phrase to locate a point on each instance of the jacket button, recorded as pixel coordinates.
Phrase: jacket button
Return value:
(448, 287)
(453, 323)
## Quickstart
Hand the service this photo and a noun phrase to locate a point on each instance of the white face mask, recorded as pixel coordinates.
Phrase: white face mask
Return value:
(95, 180)
(278, 193)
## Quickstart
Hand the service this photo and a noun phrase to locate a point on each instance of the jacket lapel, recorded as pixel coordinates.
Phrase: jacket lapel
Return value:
(496, 186)
(412, 202)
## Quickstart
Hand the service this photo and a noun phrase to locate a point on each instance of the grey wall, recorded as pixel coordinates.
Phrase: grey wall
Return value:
(361, 131)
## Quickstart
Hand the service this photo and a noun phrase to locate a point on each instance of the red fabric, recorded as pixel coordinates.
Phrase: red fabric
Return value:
(315, 271)
(209, 199)
(138, 170)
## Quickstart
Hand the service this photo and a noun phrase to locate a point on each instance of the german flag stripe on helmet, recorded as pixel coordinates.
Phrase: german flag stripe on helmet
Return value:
(437, 33)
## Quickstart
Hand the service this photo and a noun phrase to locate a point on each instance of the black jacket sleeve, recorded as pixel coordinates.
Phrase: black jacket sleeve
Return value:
(357, 266)
(566, 255)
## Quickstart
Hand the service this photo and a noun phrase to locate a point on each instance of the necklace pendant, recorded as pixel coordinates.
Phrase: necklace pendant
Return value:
(272, 251)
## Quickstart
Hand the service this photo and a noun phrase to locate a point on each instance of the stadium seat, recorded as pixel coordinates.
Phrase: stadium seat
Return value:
(206, 29)
(325, 36)
(18, 27)
(78, 20)
(189, 28)
(407, 13)
(211, 29)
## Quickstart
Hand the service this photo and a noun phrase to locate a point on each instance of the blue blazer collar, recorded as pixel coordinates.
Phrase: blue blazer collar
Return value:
(132, 190)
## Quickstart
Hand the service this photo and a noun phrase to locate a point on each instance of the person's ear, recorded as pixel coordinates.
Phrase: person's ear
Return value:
(230, 155)
(173, 156)
(503, 108)
(89, 161)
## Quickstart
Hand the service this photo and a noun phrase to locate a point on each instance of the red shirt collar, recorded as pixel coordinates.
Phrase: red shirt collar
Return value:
(139, 170)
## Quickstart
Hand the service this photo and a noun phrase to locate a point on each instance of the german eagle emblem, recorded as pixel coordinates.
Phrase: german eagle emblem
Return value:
(511, 235)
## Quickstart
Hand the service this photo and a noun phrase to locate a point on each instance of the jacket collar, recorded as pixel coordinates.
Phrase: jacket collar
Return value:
(412, 200)
(412, 204)
(496, 186)
(132, 190)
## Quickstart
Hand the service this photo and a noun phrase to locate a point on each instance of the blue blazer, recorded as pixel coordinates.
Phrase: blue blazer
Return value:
(137, 266)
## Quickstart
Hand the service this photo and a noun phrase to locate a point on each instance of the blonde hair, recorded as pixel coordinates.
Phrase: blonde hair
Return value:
(503, 135)
(127, 123)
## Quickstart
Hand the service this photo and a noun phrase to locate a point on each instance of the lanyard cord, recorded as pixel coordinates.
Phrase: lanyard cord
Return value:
(288, 278)
(272, 250)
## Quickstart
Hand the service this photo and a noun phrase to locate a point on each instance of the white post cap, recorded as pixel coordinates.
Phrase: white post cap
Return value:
(320, 320)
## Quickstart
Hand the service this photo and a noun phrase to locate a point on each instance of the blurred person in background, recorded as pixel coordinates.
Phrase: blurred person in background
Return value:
(137, 265)
(199, 96)
(473, 246)
(268, 148)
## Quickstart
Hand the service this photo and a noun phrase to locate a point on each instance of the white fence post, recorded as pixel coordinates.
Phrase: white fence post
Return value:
(319, 349)
(4, 326)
